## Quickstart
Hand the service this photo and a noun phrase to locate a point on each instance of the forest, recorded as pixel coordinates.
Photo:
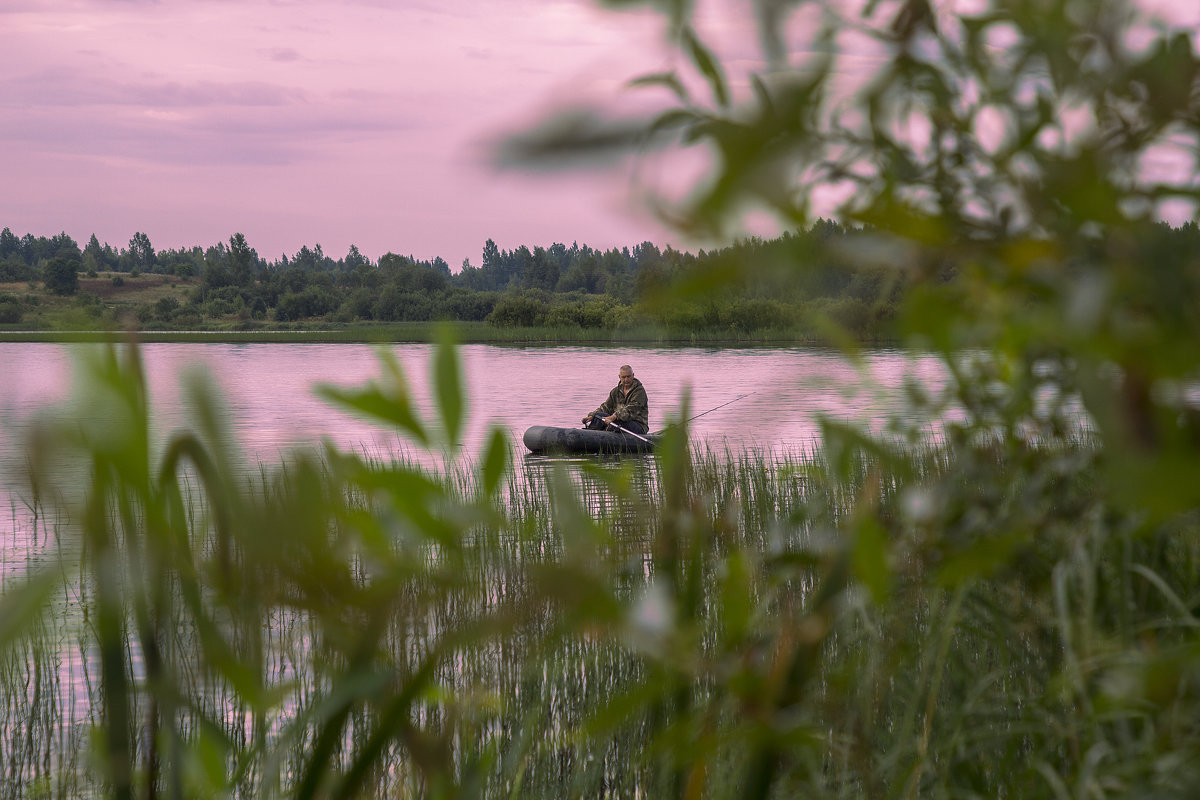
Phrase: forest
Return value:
(229, 284)
(560, 287)
(849, 286)
(848, 282)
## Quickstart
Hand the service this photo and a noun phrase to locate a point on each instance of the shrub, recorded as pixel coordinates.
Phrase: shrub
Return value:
(519, 311)
(10, 310)
(622, 316)
(61, 276)
(14, 270)
(359, 305)
(165, 307)
(314, 301)
(466, 305)
(686, 316)
(565, 315)
(218, 308)
(757, 314)
(850, 315)
(397, 305)
(595, 311)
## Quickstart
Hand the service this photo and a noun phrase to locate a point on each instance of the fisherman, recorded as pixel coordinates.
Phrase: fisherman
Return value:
(625, 409)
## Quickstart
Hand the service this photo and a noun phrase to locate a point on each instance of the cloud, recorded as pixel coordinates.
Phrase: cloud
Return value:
(57, 87)
(210, 133)
(283, 54)
(477, 53)
(304, 119)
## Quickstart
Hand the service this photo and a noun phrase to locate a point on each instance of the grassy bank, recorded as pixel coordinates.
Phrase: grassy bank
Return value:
(164, 308)
(467, 332)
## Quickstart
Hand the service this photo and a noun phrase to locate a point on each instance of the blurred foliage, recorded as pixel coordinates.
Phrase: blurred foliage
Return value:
(1008, 167)
(1006, 609)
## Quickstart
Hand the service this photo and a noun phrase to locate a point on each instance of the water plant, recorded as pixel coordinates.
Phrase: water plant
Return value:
(1008, 609)
(874, 619)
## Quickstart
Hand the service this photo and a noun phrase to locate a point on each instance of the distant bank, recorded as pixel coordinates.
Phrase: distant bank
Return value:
(465, 332)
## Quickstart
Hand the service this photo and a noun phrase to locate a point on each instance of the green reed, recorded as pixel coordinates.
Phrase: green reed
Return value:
(870, 620)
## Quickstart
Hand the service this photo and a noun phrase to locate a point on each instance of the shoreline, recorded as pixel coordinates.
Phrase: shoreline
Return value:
(423, 334)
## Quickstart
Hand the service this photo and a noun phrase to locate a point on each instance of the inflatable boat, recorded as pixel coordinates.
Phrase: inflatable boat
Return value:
(545, 439)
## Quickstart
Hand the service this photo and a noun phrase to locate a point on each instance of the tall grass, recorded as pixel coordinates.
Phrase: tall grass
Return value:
(867, 621)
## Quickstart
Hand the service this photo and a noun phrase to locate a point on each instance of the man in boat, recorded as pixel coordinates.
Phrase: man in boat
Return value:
(626, 406)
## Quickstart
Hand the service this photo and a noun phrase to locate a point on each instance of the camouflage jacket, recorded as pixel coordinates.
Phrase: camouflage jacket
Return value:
(633, 406)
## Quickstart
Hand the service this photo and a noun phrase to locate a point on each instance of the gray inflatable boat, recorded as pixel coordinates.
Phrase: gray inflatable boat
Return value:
(546, 439)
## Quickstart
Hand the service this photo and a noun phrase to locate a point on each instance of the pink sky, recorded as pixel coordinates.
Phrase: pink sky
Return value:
(299, 122)
(307, 122)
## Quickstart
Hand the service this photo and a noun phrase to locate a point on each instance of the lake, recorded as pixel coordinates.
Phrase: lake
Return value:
(272, 408)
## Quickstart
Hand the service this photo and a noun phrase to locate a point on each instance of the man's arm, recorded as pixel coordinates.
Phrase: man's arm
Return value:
(610, 405)
(606, 408)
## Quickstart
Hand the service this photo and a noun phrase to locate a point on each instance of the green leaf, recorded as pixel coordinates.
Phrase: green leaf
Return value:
(870, 559)
(19, 607)
(389, 403)
(417, 497)
(982, 558)
(675, 118)
(737, 596)
(764, 97)
(668, 80)
(708, 66)
(495, 460)
(447, 381)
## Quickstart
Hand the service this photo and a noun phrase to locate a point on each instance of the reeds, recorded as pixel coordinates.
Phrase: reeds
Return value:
(938, 620)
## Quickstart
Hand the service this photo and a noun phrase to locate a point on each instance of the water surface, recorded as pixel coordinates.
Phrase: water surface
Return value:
(272, 408)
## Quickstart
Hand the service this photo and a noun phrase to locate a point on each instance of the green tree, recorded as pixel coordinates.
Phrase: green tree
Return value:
(491, 256)
(10, 245)
(541, 271)
(354, 258)
(63, 245)
(93, 255)
(141, 253)
(61, 276)
(241, 261)
(216, 268)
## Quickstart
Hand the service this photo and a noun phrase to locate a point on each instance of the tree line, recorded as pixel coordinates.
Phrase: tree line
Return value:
(827, 273)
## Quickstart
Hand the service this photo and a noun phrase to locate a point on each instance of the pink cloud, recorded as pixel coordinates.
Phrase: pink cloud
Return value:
(300, 122)
(307, 121)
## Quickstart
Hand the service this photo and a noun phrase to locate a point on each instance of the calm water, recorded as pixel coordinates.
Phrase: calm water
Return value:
(271, 406)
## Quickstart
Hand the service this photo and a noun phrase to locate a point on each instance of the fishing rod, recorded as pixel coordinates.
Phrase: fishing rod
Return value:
(734, 400)
(631, 433)
(702, 413)
(647, 441)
